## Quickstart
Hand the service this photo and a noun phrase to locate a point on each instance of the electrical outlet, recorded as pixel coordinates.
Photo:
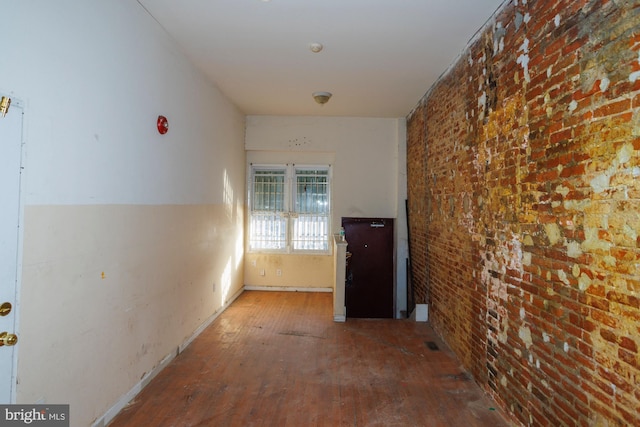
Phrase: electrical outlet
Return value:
(253, 262)
(262, 273)
(278, 272)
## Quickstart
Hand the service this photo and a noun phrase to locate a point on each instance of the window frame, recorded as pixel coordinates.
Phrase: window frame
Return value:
(289, 212)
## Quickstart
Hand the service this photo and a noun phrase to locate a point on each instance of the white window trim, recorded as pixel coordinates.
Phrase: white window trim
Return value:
(289, 201)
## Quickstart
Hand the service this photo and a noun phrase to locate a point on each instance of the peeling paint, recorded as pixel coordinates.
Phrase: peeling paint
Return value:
(625, 153)
(630, 232)
(573, 249)
(503, 381)
(553, 233)
(600, 183)
(556, 20)
(604, 84)
(563, 277)
(575, 270)
(577, 205)
(561, 189)
(584, 282)
(523, 59)
(498, 37)
(482, 99)
(549, 111)
(525, 335)
(503, 333)
(636, 74)
(610, 261)
(593, 243)
(519, 19)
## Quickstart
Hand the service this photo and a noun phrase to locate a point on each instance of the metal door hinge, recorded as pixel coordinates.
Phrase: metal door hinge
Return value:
(5, 102)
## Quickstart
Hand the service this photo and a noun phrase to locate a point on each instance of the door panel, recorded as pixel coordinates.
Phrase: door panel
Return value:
(369, 283)
(10, 158)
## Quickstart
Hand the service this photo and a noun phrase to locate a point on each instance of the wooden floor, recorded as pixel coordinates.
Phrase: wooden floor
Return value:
(278, 359)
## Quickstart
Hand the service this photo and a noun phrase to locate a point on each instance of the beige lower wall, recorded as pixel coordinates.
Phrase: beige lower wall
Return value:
(108, 291)
(298, 271)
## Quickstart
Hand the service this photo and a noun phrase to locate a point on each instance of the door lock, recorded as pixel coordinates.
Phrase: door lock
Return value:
(8, 339)
(5, 308)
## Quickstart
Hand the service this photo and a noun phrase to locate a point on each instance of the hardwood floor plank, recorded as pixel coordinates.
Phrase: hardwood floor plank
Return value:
(278, 359)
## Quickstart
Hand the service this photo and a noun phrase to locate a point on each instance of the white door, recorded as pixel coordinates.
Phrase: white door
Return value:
(10, 167)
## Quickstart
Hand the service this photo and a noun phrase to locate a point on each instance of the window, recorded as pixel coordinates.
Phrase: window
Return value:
(289, 208)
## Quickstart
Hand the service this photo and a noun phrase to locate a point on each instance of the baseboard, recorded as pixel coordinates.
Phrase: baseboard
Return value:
(209, 321)
(285, 289)
(136, 389)
(339, 318)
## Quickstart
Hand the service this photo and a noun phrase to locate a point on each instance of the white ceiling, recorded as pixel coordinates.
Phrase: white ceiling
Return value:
(379, 57)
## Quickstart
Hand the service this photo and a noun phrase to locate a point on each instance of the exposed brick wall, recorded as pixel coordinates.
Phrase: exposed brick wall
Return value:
(524, 189)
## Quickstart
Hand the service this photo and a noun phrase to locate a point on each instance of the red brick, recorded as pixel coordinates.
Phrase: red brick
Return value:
(609, 335)
(629, 344)
(534, 191)
(577, 170)
(613, 108)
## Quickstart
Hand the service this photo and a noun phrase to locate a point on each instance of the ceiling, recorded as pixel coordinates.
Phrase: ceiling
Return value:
(379, 57)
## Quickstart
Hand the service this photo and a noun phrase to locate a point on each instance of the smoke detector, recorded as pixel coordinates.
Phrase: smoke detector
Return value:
(315, 47)
(322, 97)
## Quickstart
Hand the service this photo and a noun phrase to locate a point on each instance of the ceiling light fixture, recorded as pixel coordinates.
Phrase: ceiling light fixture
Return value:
(322, 97)
(315, 47)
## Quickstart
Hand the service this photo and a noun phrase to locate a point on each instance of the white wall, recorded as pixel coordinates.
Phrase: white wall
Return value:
(402, 240)
(365, 170)
(367, 156)
(132, 240)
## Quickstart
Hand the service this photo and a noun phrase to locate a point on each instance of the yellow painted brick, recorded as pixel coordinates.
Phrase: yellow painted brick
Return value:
(600, 207)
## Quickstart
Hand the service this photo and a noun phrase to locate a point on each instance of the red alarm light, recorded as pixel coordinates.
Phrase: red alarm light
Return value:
(163, 125)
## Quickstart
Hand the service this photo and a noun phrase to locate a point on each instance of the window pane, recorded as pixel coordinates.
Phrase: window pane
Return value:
(311, 232)
(268, 190)
(311, 191)
(268, 227)
(311, 226)
(267, 231)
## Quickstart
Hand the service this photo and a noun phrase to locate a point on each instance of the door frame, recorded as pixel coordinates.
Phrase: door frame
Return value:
(18, 104)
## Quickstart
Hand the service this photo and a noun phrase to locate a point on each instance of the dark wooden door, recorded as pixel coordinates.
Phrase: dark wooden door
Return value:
(369, 281)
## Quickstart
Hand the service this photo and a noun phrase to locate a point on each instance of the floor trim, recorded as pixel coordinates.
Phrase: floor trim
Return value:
(111, 413)
(285, 289)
